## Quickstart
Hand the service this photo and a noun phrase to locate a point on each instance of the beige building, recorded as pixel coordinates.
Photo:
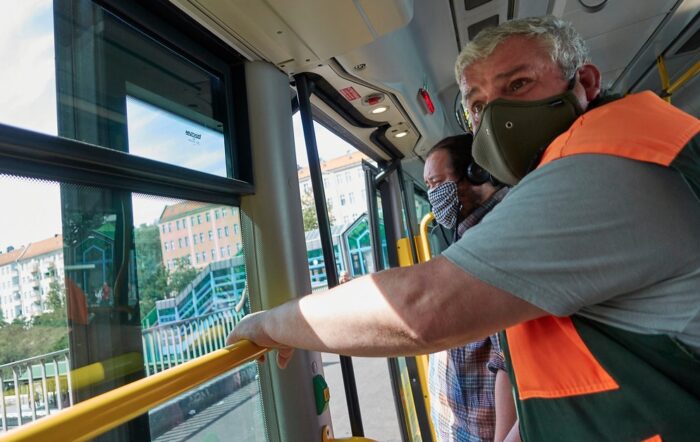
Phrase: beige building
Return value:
(199, 233)
(344, 186)
(25, 276)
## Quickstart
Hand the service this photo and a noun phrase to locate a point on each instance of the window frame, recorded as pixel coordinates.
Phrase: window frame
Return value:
(31, 154)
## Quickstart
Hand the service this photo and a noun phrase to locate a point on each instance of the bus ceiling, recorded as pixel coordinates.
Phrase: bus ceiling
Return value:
(382, 54)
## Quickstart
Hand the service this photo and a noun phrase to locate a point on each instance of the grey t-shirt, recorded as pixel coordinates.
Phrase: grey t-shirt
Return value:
(611, 239)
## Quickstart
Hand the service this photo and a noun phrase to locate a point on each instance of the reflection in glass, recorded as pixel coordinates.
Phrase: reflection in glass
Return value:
(192, 294)
(28, 76)
(163, 136)
(91, 299)
(33, 323)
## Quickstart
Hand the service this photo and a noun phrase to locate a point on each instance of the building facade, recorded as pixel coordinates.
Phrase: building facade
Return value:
(199, 233)
(344, 186)
(26, 274)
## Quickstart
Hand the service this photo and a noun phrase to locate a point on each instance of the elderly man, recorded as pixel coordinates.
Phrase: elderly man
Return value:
(461, 385)
(592, 260)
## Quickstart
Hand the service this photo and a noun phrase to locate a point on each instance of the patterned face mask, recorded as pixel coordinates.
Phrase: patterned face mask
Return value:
(443, 198)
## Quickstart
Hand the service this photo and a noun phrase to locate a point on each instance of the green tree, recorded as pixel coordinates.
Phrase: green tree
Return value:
(56, 298)
(152, 275)
(183, 274)
(152, 288)
(308, 212)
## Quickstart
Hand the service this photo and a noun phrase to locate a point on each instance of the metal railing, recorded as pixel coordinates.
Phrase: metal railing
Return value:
(173, 344)
(100, 414)
(35, 387)
(43, 385)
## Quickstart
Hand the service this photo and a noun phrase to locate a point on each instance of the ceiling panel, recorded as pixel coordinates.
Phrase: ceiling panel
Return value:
(616, 14)
(615, 49)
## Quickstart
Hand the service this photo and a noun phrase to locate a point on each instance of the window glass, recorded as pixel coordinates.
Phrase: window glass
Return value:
(97, 279)
(165, 136)
(129, 92)
(28, 82)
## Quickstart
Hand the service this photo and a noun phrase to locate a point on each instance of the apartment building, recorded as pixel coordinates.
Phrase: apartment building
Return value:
(344, 186)
(25, 277)
(199, 233)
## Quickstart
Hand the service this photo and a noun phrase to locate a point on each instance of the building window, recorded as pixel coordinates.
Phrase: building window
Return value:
(228, 250)
(207, 216)
(221, 251)
(187, 241)
(217, 214)
(223, 212)
(213, 254)
(239, 246)
(196, 257)
(225, 230)
(351, 198)
(235, 229)
(170, 227)
(339, 179)
(218, 232)
(199, 219)
(172, 245)
(348, 177)
(201, 237)
(192, 221)
(179, 242)
(211, 235)
(194, 239)
(177, 225)
(342, 199)
(165, 246)
(306, 188)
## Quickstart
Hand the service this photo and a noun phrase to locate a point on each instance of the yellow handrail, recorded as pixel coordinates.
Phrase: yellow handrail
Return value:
(424, 241)
(687, 75)
(668, 88)
(665, 80)
(100, 414)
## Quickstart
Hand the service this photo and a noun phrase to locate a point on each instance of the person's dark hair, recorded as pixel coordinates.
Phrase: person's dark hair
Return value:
(459, 147)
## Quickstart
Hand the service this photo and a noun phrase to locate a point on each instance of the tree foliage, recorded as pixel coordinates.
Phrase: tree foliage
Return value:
(45, 333)
(308, 212)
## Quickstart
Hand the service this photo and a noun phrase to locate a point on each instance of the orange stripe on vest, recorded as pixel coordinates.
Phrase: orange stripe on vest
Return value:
(551, 361)
(639, 127)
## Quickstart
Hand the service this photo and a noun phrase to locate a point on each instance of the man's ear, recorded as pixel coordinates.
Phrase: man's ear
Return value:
(589, 79)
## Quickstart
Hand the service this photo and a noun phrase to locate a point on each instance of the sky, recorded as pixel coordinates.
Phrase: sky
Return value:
(28, 100)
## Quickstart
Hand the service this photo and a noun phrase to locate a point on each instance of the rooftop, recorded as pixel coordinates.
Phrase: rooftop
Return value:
(32, 250)
(342, 162)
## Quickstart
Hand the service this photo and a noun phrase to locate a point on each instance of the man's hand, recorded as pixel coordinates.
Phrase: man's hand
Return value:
(252, 328)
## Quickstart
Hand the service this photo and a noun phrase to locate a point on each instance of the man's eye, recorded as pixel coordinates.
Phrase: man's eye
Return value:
(477, 108)
(517, 84)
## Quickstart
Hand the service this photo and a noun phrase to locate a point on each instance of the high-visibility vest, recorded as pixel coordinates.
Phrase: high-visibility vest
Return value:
(576, 379)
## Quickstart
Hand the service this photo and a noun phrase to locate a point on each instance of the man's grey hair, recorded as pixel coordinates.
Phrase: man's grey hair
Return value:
(565, 45)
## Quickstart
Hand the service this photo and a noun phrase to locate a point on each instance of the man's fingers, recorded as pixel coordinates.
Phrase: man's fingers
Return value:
(231, 339)
(284, 355)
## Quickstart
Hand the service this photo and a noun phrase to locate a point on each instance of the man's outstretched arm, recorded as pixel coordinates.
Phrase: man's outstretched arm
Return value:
(402, 311)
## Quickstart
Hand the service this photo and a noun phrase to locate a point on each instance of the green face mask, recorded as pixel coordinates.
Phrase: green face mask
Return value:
(513, 135)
